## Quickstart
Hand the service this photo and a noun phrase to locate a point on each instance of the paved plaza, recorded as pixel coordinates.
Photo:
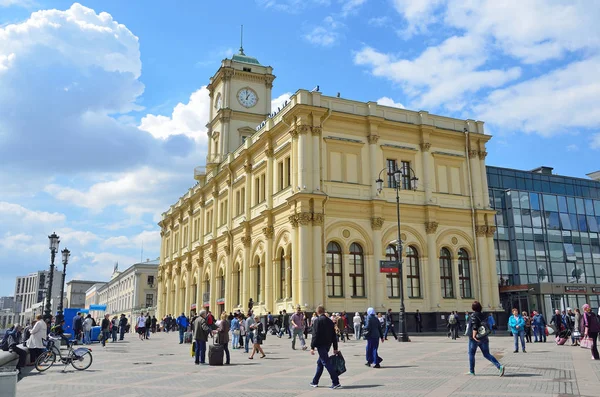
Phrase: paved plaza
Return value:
(428, 366)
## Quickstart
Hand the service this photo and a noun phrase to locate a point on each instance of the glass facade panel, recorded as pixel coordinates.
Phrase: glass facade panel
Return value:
(535, 201)
(589, 207)
(579, 206)
(562, 204)
(550, 203)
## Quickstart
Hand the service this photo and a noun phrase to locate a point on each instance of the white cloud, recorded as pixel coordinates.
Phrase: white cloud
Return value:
(291, 6)
(442, 74)
(98, 265)
(351, 6)
(325, 35)
(19, 3)
(595, 141)
(379, 21)
(572, 148)
(149, 239)
(280, 100)
(418, 14)
(385, 101)
(24, 215)
(187, 119)
(557, 102)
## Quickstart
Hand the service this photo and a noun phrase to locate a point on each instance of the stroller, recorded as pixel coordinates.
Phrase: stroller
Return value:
(562, 337)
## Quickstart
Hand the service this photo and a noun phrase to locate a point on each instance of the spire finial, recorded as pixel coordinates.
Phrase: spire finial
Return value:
(242, 40)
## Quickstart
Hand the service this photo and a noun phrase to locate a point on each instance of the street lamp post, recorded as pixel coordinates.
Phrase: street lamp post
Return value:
(65, 260)
(398, 179)
(54, 241)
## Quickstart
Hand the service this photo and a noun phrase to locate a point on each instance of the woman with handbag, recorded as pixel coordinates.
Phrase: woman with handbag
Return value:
(591, 327)
(257, 329)
(223, 335)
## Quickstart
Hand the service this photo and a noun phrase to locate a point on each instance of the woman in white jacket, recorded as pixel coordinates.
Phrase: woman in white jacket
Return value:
(357, 324)
(35, 343)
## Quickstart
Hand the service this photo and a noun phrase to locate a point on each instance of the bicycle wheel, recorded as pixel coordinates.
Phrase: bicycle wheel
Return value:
(45, 360)
(81, 361)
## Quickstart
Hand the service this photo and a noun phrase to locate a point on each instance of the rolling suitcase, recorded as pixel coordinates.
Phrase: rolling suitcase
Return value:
(187, 337)
(215, 355)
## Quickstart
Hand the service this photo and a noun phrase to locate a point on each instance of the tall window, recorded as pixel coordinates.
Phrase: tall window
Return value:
(149, 300)
(391, 167)
(288, 167)
(335, 286)
(406, 176)
(393, 279)
(357, 268)
(239, 284)
(256, 190)
(258, 284)
(222, 285)
(413, 277)
(282, 275)
(464, 274)
(446, 273)
(281, 175)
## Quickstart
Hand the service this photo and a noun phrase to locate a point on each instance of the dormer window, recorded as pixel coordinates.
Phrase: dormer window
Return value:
(247, 69)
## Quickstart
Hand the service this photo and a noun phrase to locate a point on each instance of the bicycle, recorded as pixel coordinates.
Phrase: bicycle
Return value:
(80, 358)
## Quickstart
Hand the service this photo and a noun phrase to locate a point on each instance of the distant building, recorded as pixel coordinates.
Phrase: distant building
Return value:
(7, 302)
(7, 318)
(76, 293)
(31, 290)
(547, 240)
(91, 294)
(131, 291)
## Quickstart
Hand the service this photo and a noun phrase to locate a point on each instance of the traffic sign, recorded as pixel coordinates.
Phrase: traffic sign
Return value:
(388, 267)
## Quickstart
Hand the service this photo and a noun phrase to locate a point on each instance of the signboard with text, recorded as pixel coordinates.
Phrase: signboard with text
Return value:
(575, 289)
(596, 290)
(388, 267)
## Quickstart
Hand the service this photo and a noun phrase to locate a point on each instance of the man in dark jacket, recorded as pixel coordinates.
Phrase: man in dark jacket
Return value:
(77, 327)
(476, 323)
(389, 324)
(373, 334)
(323, 336)
(122, 326)
(285, 319)
(201, 332)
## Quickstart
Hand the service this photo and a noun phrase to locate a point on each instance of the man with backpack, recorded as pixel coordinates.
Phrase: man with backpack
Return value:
(453, 325)
(182, 322)
(10, 342)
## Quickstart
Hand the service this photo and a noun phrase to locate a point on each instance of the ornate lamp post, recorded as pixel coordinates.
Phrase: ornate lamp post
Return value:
(54, 241)
(398, 179)
(65, 260)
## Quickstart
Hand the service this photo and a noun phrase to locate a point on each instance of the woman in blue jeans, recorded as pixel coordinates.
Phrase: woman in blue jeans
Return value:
(478, 340)
(516, 323)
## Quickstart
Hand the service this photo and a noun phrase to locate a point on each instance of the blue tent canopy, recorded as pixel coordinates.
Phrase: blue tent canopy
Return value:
(101, 308)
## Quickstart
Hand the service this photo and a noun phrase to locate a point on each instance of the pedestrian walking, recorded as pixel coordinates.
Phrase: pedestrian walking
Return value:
(257, 337)
(539, 327)
(105, 328)
(235, 331)
(323, 337)
(285, 325)
(591, 327)
(418, 321)
(153, 322)
(222, 337)
(201, 332)
(453, 326)
(141, 326)
(373, 333)
(478, 338)
(122, 326)
(182, 323)
(114, 328)
(357, 322)
(248, 325)
(87, 329)
(527, 320)
(516, 324)
(298, 328)
(492, 323)
(148, 325)
(389, 324)
(576, 336)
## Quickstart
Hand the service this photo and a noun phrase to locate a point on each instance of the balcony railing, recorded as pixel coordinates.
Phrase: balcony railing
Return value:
(199, 171)
(214, 158)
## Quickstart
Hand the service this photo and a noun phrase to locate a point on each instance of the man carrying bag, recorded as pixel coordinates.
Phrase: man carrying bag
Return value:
(323, 337)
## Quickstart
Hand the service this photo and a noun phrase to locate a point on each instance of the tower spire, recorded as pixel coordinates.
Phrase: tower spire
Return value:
(242, 40)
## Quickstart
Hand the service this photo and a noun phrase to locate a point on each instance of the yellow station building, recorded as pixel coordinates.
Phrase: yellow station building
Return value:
(287, 211)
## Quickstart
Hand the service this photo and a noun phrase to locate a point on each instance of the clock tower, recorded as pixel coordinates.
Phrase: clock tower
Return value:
(240, 99)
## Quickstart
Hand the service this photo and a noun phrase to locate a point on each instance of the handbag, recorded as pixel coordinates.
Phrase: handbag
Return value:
(549, 330)
(193, 348)
(338, 363)
(586, 342)
(236, 331)
(576, 334)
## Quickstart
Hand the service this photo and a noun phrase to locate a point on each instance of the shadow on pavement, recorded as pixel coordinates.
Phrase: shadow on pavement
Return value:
(359, 386)
(517, 375)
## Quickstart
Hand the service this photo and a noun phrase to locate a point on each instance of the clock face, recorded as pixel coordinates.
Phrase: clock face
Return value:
(247, 97)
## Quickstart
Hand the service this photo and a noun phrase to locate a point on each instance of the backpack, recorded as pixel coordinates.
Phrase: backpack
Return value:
(482, 331)
(4, 343)
(452, 319)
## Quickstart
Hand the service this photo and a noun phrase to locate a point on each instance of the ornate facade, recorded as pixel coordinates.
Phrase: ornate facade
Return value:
(287, 211)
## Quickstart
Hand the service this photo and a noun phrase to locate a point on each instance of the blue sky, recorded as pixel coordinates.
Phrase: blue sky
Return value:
(103, 107)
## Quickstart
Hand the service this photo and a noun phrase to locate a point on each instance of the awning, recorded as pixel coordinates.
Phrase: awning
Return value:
(101, 308)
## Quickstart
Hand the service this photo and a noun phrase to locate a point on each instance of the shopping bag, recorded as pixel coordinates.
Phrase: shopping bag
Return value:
(586, 342)
(338, 363)
(193, 348)
(550, 330)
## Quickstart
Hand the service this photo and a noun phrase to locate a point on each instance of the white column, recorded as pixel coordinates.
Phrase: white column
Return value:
(433, 274)
(376, 287)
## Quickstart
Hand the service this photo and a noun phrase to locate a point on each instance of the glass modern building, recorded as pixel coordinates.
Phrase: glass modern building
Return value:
(547, 239)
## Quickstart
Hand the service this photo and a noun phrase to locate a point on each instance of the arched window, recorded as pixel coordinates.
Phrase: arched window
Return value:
(222, 284)
(393, 279)
(446, 273)
(413, 275)
(335, 287)
(464, 274)
(357, 270)
(282, 275)
(238, 284)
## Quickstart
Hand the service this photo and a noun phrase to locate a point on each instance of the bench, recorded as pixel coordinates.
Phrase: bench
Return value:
(8, 359)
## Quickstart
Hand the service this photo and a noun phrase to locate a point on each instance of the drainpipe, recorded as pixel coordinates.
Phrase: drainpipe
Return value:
(466, 131)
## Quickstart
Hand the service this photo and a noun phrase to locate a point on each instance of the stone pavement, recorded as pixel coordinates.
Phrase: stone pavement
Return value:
(428, 366)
